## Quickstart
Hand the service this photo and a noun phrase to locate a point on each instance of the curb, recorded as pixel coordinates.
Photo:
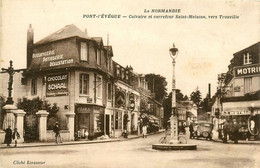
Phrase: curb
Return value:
(239, 142)
(77, 143)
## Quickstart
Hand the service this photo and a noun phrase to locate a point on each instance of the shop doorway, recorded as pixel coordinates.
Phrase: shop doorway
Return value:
(82, 124)
(107, 124)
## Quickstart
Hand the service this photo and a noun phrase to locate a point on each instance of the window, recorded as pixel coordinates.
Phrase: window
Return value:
(248, 85)
(109, 91)
(34, 86)
(126, 75)
(98, 56)
(84, 84)
(108, 64)
(122, 74)
(99, 86)
(118, 120)
(118, 71)
(84, 52)
(247, 58)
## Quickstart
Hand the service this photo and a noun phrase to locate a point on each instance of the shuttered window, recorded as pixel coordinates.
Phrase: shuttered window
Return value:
(248, 85)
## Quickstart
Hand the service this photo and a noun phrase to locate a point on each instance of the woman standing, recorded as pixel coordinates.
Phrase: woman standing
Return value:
(8, 136)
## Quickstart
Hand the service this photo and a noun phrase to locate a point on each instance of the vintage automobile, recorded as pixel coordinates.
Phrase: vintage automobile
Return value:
(204, 130)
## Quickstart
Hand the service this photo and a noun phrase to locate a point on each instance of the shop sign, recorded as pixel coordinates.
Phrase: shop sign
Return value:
(247, 70)
(247, 112)
(89, 100)
(119, 98)
(132, 101)
(57, 85)
(237, 89)
(83, 109)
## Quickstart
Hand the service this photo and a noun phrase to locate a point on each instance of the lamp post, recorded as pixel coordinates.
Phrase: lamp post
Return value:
(174, 117)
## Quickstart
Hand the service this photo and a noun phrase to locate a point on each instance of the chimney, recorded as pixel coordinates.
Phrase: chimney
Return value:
(86, 31)
(209, 91)
(29, 45)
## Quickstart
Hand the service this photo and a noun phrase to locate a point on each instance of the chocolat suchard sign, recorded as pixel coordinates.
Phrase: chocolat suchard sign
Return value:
(247, 70)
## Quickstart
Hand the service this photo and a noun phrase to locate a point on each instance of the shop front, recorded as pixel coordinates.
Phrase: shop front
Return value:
(243, 116)
(89, 118)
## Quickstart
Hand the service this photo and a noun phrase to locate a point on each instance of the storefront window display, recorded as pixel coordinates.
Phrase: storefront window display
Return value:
(98, 123)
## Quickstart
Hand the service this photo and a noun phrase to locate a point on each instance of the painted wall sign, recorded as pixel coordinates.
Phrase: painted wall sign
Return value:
(247, 70)
(55, 55)
(57, 85)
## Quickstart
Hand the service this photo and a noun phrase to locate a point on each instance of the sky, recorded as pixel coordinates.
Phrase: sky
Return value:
(205, 46)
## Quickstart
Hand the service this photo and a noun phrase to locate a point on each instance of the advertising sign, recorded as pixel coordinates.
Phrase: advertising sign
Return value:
(55, 55)
(57, 85)
(247, 70)
(132, 101)
(120, 98)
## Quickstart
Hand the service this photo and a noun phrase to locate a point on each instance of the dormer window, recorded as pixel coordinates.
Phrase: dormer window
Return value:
(126, 75)
(122, 74)
(98, 56)
(247, 58)
(117, 71)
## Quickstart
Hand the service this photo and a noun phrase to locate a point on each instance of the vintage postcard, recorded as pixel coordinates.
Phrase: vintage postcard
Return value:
(129, 84)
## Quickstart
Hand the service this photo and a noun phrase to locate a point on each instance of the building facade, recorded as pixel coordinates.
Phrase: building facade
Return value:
(238, 100)
(77, 72)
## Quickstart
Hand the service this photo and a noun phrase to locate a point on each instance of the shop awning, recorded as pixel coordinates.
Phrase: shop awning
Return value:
(151, 118)
(241, 108)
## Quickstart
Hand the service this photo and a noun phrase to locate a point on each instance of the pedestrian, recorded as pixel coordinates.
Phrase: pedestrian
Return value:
(8, 136)
(235, 133)
(16, 136)
(191, 130)
(144, 131)
(225, 132)
(86, 134)
(56, 130)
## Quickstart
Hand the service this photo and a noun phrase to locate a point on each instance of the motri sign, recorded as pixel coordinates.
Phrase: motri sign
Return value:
(57, 85)
(247, 70)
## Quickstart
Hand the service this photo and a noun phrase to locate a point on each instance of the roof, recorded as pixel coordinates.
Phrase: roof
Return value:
(97, 39)
(66, 32)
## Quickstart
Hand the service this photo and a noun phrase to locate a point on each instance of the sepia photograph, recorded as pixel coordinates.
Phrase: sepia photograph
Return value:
(130, 84)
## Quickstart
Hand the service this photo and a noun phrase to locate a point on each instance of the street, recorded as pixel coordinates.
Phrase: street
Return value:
(133, 153)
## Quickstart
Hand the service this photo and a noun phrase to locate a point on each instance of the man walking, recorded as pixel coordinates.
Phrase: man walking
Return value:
(191, 130)
(56, 130)
(225, 131)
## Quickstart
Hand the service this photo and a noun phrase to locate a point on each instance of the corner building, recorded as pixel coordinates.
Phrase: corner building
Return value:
(75, 71)
(241, 93)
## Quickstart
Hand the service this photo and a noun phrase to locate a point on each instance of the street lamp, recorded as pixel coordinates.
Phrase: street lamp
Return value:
(174, 120)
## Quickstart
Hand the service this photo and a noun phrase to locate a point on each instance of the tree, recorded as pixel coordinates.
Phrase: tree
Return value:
(36, 104)
(180, 96)
(157, 84)
(167, 104)
(196, 97)
(2, 111)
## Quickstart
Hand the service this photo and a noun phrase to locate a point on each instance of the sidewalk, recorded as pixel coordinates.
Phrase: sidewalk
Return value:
(40, 144)
(215, 139)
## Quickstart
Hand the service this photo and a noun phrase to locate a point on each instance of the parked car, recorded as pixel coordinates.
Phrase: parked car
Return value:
(204, 130)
